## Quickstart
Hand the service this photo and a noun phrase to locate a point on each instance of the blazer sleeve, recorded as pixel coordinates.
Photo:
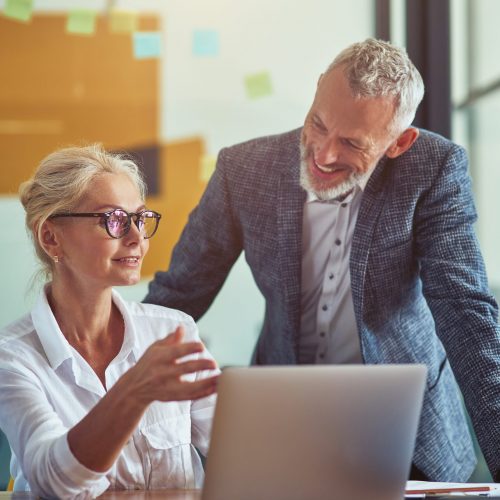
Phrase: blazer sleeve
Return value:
(207, 249)
(456, 289)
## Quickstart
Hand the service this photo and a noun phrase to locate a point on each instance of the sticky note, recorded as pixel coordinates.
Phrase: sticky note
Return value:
(122, 21)
(205, 43)
(147, 44)
(81, 22)
(258, 85)
(207, 167)
(19, 9)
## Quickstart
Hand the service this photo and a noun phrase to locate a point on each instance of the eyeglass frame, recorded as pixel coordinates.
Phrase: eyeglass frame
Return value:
(105, 216)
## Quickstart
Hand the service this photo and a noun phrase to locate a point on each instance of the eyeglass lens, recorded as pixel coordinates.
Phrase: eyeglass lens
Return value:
(118, 223)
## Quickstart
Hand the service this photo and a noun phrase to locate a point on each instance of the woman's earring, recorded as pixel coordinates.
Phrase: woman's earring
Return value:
(56, 258)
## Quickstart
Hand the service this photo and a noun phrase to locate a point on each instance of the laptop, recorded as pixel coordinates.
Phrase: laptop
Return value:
(314, 432)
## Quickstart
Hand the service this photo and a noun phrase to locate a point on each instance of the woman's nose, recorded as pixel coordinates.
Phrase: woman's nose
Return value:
(134, 234)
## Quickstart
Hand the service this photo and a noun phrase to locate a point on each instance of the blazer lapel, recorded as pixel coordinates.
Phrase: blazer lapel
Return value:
(371, 205)
(291, 198)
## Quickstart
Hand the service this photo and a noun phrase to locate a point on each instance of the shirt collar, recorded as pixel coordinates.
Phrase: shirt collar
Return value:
(130, 335)
(54, 343)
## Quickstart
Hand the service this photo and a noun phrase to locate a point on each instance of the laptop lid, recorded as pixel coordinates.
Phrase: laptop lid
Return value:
(314, 432)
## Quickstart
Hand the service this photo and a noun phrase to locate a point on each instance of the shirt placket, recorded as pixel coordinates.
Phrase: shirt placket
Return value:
(328, 302)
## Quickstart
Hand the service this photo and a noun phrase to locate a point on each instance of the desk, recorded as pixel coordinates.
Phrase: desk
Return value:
(126, 494)
(138, 494)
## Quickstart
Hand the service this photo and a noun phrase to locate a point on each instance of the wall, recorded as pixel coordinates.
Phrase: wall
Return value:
(205, 97)
(474, 65)
(484, 68)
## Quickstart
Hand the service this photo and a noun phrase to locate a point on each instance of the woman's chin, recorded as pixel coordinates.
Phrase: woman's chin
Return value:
(131, 279)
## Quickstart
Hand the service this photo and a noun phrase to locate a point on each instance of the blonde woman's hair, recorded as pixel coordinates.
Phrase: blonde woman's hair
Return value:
(375, 68)
(60, 182)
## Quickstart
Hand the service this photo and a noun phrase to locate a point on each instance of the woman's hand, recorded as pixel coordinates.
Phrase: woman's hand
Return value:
(158, 375)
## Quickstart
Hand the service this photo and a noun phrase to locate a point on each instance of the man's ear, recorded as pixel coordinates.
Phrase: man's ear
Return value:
(49, 239)
(403, 143)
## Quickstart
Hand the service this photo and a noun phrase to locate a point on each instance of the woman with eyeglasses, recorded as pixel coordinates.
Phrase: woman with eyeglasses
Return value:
(97, 393)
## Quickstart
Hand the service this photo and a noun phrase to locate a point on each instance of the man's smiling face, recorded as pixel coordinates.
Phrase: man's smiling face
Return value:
(343, 138)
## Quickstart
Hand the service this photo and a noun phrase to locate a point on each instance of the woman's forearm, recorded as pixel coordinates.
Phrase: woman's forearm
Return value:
(97, 440)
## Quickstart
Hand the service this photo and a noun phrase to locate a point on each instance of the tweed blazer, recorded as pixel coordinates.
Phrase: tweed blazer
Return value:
(418, 281)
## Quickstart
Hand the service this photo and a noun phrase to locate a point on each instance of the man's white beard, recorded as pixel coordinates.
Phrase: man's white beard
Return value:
(325, 194)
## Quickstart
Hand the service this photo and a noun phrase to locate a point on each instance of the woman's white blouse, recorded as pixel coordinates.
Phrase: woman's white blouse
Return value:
(46, 387)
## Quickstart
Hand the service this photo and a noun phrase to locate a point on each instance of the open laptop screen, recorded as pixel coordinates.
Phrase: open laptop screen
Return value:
(314, 432)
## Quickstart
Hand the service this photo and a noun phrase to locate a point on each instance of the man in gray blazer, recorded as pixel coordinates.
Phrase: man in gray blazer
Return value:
(358, 229)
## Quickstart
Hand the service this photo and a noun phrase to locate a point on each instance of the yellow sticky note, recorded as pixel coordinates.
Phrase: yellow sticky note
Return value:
(81, 22)
(258, 85)
(121, 21)
(207, 167)
(19, 9)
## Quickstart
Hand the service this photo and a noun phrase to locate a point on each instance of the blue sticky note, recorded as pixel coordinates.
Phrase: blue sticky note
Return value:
(147, 44)
(205, 43)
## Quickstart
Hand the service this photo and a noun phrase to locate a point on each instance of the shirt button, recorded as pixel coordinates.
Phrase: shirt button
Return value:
(321, 334)
(330, 276)
(325, 307)
(343, 205)
(337, 242)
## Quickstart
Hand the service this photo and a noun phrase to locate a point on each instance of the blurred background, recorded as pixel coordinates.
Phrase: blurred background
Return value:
(173, 81)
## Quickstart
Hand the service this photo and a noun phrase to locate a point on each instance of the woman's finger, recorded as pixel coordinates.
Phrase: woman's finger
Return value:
(174, 352)
(174, 337)
(192, 366)
(195, 390)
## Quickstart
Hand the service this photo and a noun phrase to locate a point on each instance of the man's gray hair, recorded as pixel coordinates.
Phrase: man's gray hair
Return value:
(375, 68)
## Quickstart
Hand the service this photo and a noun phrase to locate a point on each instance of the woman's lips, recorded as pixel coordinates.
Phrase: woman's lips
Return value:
(128, 261)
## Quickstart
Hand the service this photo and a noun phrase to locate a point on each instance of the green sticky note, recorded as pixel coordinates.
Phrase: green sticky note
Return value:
(19, 9)
(258, 85)
(81, 22)
(147, 45)
(122, 21)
